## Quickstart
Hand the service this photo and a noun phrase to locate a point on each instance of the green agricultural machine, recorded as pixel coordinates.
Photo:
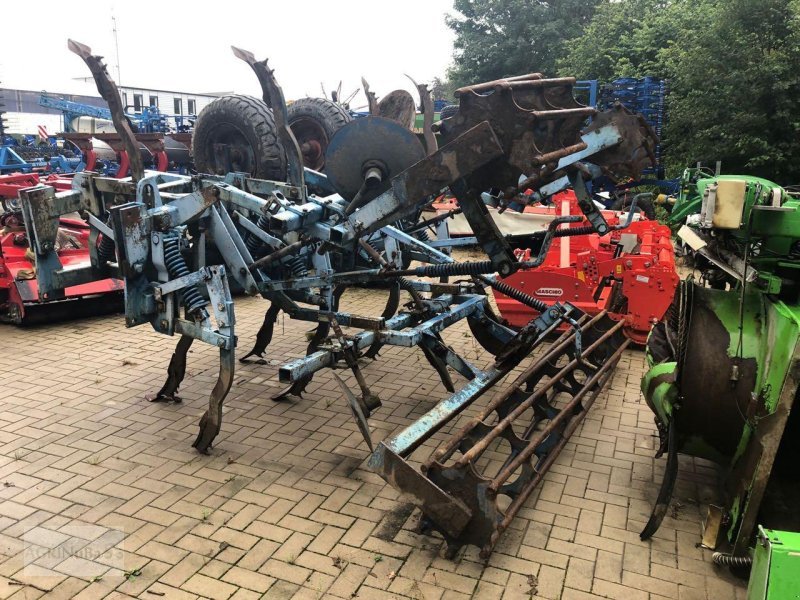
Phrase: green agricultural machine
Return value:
(724, 367)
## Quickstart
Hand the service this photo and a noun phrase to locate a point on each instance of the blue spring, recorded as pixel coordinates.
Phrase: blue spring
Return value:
(176, 266)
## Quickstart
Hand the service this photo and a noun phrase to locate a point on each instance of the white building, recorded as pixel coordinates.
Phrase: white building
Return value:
(24, 115)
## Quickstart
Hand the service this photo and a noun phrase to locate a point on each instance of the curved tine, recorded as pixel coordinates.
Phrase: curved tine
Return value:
(372, 100)
(211, 421)
(426, 103)
(667, 486)
(110, 93)
(175, 372)
(272, 94)
(264, 336)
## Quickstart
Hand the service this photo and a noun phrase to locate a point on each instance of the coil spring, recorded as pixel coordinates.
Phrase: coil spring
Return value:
(106, 250)
(296, 266)
(519, 296)
(253, 243)
(569, 232)
(176, 266)
(728, 560)
(422, 235)
(465, 268)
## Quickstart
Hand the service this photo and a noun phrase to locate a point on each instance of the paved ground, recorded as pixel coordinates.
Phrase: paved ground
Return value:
(103, 496)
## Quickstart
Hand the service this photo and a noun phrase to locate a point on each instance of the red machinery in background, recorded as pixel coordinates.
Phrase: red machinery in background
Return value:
(629, 272)
(19, 292)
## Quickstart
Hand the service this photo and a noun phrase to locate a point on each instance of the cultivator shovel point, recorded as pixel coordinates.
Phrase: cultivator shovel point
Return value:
(472, 485)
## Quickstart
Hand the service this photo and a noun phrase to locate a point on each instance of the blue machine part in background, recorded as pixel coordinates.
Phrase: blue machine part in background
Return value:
(645, 96)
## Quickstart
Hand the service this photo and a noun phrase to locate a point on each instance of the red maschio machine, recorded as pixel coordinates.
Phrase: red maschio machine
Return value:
(629, 272)
(19, 292)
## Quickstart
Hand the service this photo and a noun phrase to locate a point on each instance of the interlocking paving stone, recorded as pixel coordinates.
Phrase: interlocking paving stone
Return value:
(285, 505)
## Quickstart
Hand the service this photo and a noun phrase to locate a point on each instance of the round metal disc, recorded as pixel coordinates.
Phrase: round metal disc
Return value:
(369, 139)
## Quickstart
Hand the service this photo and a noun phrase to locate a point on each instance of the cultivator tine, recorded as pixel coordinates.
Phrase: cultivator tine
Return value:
(667, 486)
(264, 336)
(372, 100)
(175, 372)
(426, 105)
(211, 421)
(272, 94)
(110, 93)
(358, 412)
(369, 401)
(460, 482)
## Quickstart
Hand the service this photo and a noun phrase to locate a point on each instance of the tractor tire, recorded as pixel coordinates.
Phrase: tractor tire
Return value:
(247, 126)
(646, 206)
(448, 111)
(313, 122)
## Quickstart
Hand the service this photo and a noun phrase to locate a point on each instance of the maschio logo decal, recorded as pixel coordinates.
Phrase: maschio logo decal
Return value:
(551, 292)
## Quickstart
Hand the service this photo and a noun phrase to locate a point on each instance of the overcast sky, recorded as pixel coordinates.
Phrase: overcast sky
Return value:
(185, 46)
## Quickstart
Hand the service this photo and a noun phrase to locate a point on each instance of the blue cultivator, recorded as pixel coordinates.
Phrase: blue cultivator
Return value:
(303, 239)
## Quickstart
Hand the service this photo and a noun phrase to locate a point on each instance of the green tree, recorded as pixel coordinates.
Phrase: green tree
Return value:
(736, 94)
(733, 68)
(499, 38)
(442, 89)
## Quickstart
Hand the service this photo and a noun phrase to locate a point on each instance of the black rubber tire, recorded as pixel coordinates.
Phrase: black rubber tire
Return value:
(448, 111)
(243, 121)
(313, 122)
(646, 206)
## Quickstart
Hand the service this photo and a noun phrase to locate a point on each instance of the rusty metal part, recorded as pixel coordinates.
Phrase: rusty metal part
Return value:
(507, 448)
(175, 372)
(636, 151)
(372, 100)
(110, 93)
(398, 106)
(272, 94)
(264, 335)
(426, 105)
(277, 255)
(532, 118)
(211, 421)
(358, 412)
(369, 401)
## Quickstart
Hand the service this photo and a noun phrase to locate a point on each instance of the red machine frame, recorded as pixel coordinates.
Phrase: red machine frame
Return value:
(19, 291)
(630, 272)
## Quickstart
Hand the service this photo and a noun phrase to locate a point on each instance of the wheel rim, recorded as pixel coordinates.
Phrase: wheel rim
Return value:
(239, 151)
(313, 141)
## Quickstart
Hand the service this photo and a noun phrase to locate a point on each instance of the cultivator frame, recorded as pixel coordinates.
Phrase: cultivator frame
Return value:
(270, 235)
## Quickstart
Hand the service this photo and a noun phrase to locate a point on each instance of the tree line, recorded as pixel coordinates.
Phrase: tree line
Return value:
(733, 66)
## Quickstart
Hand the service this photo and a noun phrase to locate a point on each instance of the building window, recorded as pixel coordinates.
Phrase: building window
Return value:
(137, 103)
(125, 99)
(154, 101)
(191, 106)
(178, 106)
